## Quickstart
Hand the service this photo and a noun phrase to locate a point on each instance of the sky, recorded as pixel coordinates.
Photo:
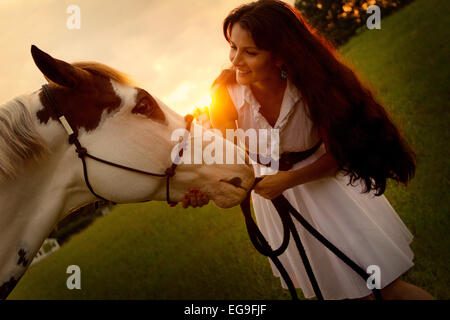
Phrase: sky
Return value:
(174, 49)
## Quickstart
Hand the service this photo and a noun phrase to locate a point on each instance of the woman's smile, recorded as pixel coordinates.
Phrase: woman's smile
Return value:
(243, 73)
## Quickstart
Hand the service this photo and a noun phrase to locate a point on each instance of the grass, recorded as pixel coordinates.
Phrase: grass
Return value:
(151, 251)
(407, 63)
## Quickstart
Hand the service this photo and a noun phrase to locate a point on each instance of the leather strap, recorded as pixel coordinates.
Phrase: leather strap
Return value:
(287, 159)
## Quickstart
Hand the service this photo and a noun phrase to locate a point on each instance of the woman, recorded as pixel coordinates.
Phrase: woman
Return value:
(285, 76)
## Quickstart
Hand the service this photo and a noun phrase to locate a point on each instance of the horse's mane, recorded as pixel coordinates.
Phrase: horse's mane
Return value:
(19, 140)
(105, 71)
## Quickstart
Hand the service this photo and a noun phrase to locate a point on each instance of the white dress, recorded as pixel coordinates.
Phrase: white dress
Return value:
(366, 228)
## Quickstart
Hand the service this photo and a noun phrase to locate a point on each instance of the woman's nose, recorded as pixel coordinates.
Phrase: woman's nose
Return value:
(236, 60)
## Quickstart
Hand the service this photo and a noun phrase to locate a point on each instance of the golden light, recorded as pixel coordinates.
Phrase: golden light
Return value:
(180, 93)
(157, 66)
(347, 8)
(367, 4)
(204, 101)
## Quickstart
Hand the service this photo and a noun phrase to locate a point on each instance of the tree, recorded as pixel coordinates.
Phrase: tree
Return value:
(338, 20)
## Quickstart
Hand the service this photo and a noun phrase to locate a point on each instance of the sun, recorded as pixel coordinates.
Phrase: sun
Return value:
(204, 101)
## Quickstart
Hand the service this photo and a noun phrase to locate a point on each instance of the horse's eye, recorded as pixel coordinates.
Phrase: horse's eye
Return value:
(144, 107)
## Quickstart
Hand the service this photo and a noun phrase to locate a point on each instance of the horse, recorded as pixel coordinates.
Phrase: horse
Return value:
(104, 113)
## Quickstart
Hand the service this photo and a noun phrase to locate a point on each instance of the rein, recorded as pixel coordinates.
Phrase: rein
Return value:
(285, 210)
(83, 153)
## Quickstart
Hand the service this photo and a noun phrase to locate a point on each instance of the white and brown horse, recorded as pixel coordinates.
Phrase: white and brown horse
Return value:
(41, 176)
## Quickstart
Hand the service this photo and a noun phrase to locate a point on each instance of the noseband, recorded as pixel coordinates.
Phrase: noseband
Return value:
(83, 153)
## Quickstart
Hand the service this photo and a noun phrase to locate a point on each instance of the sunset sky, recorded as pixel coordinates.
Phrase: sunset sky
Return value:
(172, 48)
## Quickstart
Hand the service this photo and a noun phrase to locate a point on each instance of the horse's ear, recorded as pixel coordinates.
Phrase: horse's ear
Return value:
(58, 71)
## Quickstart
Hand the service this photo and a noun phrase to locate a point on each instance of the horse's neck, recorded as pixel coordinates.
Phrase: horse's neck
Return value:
(49, 188)
(53, 182)
(38, 198)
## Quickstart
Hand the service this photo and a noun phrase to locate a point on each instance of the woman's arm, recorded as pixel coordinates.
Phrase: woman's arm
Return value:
(323, 167)
(222, 115)
(222, 112)
(273, 185)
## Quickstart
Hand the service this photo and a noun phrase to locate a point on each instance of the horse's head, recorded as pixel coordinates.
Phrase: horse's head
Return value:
(124, 124)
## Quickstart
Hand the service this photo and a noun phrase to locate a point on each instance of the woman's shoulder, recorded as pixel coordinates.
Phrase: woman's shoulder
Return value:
(227, 76)
(225, 87)
(222, 104)
(221, 94)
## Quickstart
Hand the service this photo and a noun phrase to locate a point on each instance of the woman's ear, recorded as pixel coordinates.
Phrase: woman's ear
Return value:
(279, 63)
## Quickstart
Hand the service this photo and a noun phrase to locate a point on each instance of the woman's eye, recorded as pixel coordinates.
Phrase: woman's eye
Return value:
(252, 53)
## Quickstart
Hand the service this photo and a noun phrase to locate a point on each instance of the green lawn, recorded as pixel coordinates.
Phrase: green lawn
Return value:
(151, 251)
(407, 64)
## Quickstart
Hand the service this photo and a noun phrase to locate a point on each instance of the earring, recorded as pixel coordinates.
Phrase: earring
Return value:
(283, 74)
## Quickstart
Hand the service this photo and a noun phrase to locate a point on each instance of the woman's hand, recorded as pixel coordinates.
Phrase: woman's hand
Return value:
(272, 186)
(194, 198)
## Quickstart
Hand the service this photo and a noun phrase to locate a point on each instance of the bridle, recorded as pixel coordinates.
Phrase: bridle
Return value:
(83, 153)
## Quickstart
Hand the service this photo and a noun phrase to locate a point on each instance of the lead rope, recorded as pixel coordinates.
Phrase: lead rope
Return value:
(285, 209)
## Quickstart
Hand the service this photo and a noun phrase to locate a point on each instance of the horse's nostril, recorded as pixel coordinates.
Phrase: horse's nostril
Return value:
(236, 181)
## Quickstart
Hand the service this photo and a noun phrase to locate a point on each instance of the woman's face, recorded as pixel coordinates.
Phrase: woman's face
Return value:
(252, 64)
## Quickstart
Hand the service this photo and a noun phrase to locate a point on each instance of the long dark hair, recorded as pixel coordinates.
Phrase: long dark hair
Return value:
(362, 138)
